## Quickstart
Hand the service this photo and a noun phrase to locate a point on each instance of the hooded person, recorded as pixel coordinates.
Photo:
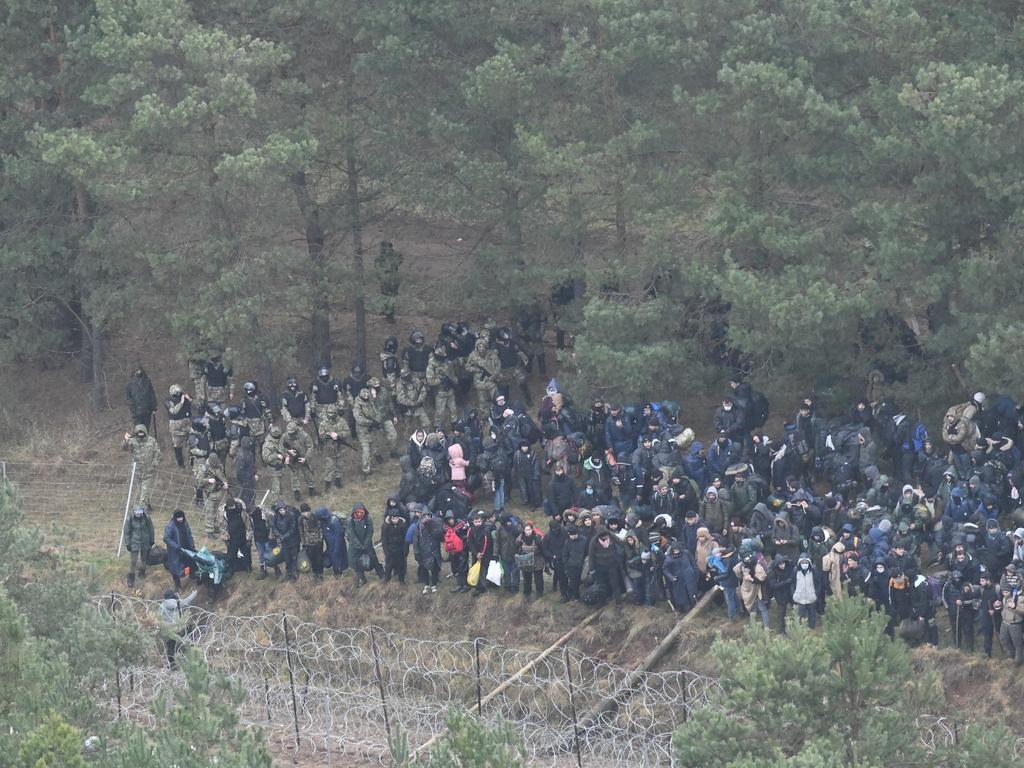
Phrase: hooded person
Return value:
(177, 538)
(703, 550)
(785, 538)
(681, 577)
(427, 548)
(832, 567)
(392, 540)
(361, 554)
(333, 527)
(808, 586)
(780, 587)
(752, 572)
(530, 560)
(138, 539)
(716, 510)
(607, 563)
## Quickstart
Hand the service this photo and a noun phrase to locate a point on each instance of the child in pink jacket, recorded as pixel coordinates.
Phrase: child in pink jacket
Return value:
(458, 465)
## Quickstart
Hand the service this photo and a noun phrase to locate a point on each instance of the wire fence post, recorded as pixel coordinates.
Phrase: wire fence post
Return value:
(479, 693)
(117, 666)
(291, 681)
(127, 505)
(572, 709)
(266, 694)
(380, 682)
(3, 466)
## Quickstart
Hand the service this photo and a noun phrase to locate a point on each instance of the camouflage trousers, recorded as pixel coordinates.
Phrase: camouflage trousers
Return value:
(418, 416)
(178, 429)
(332, 455)
(145, 478)
(218, 394)
(445, 410)
(257, 430)
(301, 476)
(211, 512)
(274, 473)
(198, 470)
(367, 448)
(485, 392)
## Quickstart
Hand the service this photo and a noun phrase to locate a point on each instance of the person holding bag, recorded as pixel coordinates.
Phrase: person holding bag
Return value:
(530, 560)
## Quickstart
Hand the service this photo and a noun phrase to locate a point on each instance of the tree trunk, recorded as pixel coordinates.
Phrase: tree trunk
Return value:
(98, 395)
(621, 231)
(355, 225)
(320, 319)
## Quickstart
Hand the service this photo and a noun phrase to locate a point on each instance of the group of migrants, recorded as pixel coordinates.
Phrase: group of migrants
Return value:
(867, 502)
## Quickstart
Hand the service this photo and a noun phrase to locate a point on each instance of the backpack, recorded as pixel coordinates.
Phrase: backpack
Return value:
(758, 409)
(935, 585)
(453, 543)
(920, 435)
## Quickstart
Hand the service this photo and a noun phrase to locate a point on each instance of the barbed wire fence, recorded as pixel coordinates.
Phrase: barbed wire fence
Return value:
(330, 693)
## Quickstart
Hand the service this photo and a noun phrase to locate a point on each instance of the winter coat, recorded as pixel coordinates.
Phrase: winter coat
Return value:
(554, 543)
(245, 463)
(392, 539)
(310, 532)
(456, 463)
(333, 528)
(575, 551)
(138, 533)
(781, 580)
(285, 528)
(716, 512)
(620, 438)
(705, 545)
(832, 567)
(427, 542)
(140, 395)
(177, 538)
(753, 582)
(681, 577)
(479, 541)
(505, 539)
(813, 578)
(360, 536)
(561, 493)
(785, 538)
(533, 543)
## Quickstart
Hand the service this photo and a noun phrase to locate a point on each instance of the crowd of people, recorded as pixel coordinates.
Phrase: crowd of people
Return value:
(614, 501)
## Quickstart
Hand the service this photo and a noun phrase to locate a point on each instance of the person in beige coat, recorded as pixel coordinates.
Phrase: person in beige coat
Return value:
(832, 567)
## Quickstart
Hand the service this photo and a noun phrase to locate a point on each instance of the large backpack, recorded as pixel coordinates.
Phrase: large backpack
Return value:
(453, 543)
(920, 435)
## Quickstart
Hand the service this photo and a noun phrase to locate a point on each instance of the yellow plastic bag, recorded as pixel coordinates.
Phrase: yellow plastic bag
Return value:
(473, 577)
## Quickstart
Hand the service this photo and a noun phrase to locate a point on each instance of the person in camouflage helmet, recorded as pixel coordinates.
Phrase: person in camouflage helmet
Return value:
(273, 454)
(332, 426)
(387, 413)
(483, 364)
(441, 375)
(179, 420)
(218, 377)
(513, 362)
(256, 411)
(368, 422)
(387, 265)
(145, 452)
(298, 448)
(411, 396)
(199, 449)
(215, 486)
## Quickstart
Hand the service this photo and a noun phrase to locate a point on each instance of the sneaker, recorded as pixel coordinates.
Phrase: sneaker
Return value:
(427, 589)
(433, 588)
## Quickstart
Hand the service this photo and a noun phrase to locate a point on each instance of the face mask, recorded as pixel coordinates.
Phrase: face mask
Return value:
(726, 407)
(805, 566)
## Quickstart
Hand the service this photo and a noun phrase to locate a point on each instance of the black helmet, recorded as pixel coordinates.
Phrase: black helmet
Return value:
(323, 372)
(391, 344)
(504, 336)
(293, 383)
(198, 424)
(448, 329)
(249, 387)
(357, 370)
(233, 412)
(213, 408)
(417, 337)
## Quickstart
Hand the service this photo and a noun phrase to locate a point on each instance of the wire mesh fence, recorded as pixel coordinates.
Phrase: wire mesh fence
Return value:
(327, 693)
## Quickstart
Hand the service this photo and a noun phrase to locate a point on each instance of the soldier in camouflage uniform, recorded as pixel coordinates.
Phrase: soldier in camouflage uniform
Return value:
(325, 390)
(389, 364)
(368, 422)
(532, 325)
(237, 426)
(273, 456)
(298, 448)
(196, 372)
(333, 444)
(199, 449)
(513, 365)
(387, 264)
(256, 411)
(215, 486)
(483, 364)
(411, 395)
(217, 429)
(442, 375)
(219, 378)
(179, 420)
(145, 452)
(387, 412)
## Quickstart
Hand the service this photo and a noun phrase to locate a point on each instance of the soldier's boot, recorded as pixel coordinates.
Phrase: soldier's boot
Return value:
(179, 457)
(277, 571)
(263, 573)
(199, 497)
(131, 580)
(312, 491)
(298, 496)
(327, 486)
(142, 573)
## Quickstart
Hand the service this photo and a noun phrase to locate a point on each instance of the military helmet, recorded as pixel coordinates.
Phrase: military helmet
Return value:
(323, 372)
(175, 390)
(233, 412)
(140, 430)
(357, 370)
(374, 383)
(391, 344)
(198, 424)
(417, 337)
(293, 383)
(332, 410)
(275, 431)
(480, 346)
(293, 427)
(214, 408)
(364, 394)
(504, 336)
(249, 387)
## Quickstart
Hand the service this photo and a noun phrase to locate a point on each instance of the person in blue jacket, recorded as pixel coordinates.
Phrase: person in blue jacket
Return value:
(177, 536)
(333, 527)
(680, 572)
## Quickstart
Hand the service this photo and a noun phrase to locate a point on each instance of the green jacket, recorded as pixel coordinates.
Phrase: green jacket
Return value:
(138, 533)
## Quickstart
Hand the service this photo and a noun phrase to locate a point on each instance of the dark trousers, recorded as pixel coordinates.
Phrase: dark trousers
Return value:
(559, 580)
(988, 628)
(533, 579)
(481, 584)
(291, 557)
(170, 648)
(460, 566)
(239, 554)
(433, 573)
(315, 553)
(573, 577)
(394, 567)
(961, 621)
